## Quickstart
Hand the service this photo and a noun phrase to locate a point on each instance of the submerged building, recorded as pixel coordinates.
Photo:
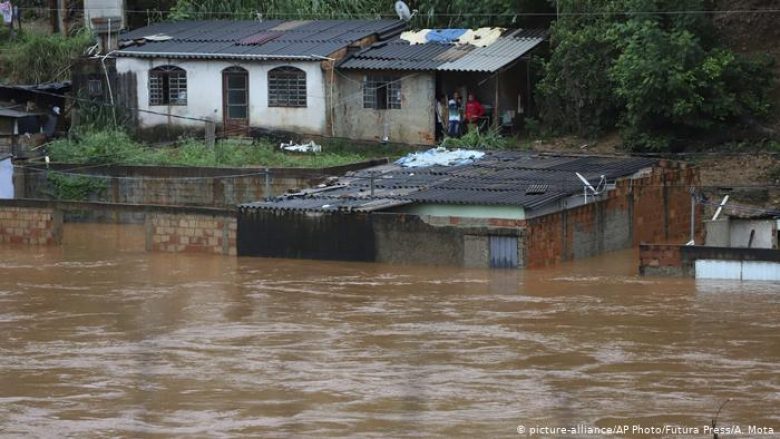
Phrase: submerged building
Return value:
(502, 209)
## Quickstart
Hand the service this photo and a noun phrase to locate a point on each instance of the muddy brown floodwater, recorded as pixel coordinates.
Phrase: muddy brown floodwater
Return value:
(100, 339)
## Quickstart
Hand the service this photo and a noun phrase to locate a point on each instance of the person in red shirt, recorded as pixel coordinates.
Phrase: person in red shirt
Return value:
(474, 110)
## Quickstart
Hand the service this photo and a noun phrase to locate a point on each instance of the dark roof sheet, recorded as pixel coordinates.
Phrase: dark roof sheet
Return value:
(399, 54)
(273, 39)
(508, 178)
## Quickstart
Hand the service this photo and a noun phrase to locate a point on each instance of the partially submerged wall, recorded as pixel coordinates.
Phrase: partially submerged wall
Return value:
(20, 224)
(191, 233)
(393, 238)
(653, 208)
(177, 185)
(709, 262)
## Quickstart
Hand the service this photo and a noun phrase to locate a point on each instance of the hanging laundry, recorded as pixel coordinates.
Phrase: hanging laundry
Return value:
(7, 11)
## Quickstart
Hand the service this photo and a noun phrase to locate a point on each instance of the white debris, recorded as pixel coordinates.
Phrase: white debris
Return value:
(439, 157)
(306, 147)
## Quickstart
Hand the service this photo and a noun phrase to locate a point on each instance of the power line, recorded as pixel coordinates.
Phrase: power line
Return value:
(439, 14)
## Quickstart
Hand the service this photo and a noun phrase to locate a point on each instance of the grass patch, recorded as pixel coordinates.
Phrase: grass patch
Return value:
(116, 147)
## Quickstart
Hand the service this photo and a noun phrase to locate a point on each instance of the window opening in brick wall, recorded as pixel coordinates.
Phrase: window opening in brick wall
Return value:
(167, 86)
(286, 87)
(382, 92)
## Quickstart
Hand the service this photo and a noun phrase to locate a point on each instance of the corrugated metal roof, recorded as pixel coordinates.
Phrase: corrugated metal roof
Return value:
(399, 54)
(508, 178)
(493, 57)
(274, 39)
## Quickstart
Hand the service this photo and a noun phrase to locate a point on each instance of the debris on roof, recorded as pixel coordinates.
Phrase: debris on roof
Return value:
(439, 157)
(503, 178)
(483, 50)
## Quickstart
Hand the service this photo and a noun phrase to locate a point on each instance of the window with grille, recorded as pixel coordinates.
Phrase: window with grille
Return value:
(382, 92)
(167, 86)
(95, 87)
(286, 87)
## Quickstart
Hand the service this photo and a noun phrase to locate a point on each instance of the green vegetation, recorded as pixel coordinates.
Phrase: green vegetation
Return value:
(432, 13)
(116, 147)
(33, 58)
(75, 187)
(660, 77)
(490, 139)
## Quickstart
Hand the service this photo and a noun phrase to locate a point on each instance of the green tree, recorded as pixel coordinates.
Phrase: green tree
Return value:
(649, 67)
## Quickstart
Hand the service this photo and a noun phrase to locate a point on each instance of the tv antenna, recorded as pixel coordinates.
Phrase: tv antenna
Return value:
(403, 11)
(594, 191)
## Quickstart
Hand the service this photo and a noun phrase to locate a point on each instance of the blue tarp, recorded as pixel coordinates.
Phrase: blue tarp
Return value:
(444, 35)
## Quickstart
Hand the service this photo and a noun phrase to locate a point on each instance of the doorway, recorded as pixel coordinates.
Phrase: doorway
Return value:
(235, 101)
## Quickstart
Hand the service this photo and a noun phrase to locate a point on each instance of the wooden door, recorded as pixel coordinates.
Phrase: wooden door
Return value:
(235, 101)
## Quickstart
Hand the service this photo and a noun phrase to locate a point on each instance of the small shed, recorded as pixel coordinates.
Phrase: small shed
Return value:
(389, 90)
(20, 130)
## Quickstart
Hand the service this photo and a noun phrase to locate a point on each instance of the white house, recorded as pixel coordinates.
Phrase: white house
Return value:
(275, 75)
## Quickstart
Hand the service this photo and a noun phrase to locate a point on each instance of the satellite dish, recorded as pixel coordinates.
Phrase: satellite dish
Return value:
(403, 11)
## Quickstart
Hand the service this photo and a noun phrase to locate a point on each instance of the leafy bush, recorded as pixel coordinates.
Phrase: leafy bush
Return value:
(36, 58)
(489, 139)
(661, 77)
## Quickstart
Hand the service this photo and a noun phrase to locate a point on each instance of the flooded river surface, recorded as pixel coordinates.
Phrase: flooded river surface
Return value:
(100, 339)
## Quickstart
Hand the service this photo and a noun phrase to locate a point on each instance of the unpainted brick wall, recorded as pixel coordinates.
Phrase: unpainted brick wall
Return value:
(662, 259)
(30, 225)
(650, 209)
(191, 233)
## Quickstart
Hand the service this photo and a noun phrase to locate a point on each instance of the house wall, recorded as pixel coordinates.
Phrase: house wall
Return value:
(414, 123)
(204, 95)
(464, 211)
(651, 209)
(765, 233)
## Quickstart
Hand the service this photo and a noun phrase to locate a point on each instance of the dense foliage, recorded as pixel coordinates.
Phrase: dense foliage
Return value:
(34, 58)
(660, 76)
(431, 13)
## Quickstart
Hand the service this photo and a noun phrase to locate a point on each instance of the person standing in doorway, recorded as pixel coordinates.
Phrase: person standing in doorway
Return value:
(441, 116)
(474, 111)
(453, 127)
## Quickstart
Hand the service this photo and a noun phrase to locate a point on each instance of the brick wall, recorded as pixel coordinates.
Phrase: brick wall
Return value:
(654, 208)
(662, 259)
(191, 233)
(30, 225)
(182, 186)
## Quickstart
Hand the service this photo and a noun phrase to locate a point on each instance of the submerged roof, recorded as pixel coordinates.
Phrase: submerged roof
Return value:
(499, 178)
(272, 39)
(401, 54)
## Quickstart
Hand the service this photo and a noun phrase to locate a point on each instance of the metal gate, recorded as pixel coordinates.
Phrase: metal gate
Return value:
(503, 252)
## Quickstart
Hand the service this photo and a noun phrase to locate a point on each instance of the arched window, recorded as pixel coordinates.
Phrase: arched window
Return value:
(167, 86)
(286, 87)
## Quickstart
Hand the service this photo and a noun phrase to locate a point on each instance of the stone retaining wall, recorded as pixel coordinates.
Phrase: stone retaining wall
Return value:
(31, 226)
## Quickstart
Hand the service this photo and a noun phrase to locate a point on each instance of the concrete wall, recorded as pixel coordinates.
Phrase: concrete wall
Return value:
(718, 233)
(391, 238)
(412, 124)
(191, 233)
(181, 186)
(709, 262)
(652, 208)
(764, 233)
(204, 95)
(30, 225)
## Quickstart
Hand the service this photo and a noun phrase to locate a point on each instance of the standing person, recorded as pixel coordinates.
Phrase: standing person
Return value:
(474, 110)
(453, 118)
(441, 116)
